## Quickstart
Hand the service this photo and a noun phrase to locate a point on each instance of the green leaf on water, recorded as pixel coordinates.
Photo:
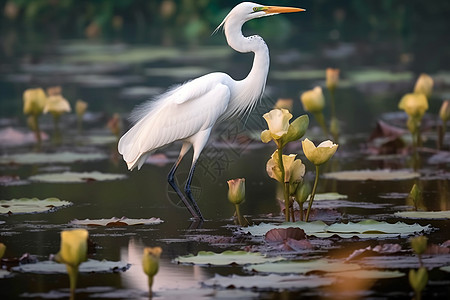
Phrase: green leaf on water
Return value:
(445, 269)
(115, 222)
(271, 282)
(329, 196)
(369, 274)
(226, 258)
(363, 229)
(50, 158)
(4, 274)
(74, 177)
(90, 266)
(31, 205)
(303, 267)
(445, 214)
(377, 175)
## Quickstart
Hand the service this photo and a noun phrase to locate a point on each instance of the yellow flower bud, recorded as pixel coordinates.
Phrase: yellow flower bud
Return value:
(418, 279)
(293, 168)
(278, 122)
(415, 105)
(444, 112)
(332, 76)
(74, 246)
(56, 105)
(320, 154)
(80, 108)
(236, 190)
(296, 173)
(34, 101)
(150, 260)
(419, 244)
(54, 90)
(424, 85)
(313, 100)
(2, 250)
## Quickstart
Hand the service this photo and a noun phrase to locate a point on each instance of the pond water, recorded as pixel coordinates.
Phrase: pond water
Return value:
(114, 77)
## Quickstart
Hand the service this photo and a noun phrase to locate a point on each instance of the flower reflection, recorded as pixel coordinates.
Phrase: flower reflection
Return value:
(170, 276)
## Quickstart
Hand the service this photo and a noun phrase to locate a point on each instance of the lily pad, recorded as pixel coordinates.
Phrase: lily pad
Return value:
(50, 158)
(226, 258)
(90, 266)
(269, 282)
(439, 215)
(114, 222)
(263, 228)
(329, 196)
(298, 74)
(366, 76)
(31, 205)
(370, 274)
(445, 269)
(4, 274)
(405, 262)
(377, 175)
(180, 73)
(303, 267)
(372, 228)
(69, 177)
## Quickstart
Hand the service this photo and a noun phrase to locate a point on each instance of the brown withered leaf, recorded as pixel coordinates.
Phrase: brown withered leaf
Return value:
(374, 251)
(288, 239)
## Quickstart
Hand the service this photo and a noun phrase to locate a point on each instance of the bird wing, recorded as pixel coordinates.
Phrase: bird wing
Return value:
(177, 115)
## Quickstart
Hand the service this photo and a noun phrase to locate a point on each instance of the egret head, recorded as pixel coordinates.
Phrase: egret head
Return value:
(246, 11)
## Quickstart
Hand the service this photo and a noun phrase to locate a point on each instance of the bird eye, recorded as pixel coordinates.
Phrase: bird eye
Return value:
(255, 9)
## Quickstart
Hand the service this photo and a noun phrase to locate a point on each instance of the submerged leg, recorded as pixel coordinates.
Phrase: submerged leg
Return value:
(170, 178)
(198, 141)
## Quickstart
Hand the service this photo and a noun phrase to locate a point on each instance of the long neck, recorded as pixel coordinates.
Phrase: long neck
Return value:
(249, 90)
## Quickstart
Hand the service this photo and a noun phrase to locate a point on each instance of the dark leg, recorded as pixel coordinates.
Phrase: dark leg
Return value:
(187, 190)
(171, 180)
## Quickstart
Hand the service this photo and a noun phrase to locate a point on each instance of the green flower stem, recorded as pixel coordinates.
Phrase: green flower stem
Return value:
(332, 104)
(312, 194)
(37, 130)
(150, 284)
(292, 210)
(238, 214)
(73, 277)
(321, 120)
(285, 184)
(301, 210)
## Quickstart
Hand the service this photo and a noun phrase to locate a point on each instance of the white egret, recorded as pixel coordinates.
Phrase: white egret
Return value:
(189, 111)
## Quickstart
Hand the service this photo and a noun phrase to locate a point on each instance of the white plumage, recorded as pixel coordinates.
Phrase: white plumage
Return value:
(188, 112)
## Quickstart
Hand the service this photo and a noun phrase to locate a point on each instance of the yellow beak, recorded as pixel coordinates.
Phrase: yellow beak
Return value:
(281, 9)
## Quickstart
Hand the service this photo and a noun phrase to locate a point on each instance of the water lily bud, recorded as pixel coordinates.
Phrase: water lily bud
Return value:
(273, 167)
(236, 190)
(332, 78)
(415, 195)
(57, 105)
(2, 250)
(297, 172)
(80, 108)
(419, 244)
(444, 112)
(278, 122)
(114, 124)
(320, 154)
(74, 246)
(313, 100)
(418, 279)
(424, 85)
(415, 105)
(302, 193)
(284, 103)
(34, 101)
(150, 260)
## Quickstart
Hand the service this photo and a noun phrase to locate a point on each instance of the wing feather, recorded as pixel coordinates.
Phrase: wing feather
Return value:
(183, 112)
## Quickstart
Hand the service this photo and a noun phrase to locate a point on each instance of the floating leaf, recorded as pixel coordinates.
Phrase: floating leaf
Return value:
(114, 222)
(181, 72)
(372, 228)
(263, 228)
(378, 175)
(4, 274)
(90, 266)
(368, 76)
(329, 196)
(445, 269)
(303, 267)
(445, 214)
(31, 205)
(369, 274)
(405, 262)
(288, 239)
(67, 177)
(50, 158)
(226, 258)
(298, 74)
(271, 282)
(377, 250)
